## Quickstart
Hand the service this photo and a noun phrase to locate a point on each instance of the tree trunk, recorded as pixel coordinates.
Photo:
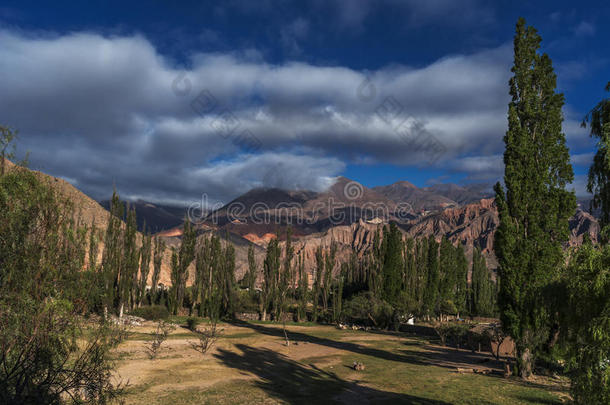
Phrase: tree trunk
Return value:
(121, 311)
(525, 364)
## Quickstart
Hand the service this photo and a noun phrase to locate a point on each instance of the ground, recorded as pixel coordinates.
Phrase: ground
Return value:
(251, 363)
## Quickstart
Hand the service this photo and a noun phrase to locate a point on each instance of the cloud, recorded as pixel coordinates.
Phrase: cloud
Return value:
(354, 13)
(292, 34)
(584, 29)
(112, 110)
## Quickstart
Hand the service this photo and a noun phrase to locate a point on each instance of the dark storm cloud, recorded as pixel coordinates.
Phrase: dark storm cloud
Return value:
(109, 110)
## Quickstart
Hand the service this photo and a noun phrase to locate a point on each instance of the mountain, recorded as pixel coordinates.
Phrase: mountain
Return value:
(90, 212)
(347, 214)
(462, 195)
(436, 197)
(156, 217)
(269, 211)
(419, 199)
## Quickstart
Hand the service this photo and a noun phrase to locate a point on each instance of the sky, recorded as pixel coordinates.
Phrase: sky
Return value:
(178, 102)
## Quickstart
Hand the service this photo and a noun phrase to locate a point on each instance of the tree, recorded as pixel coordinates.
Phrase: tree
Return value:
(329, 265)
(587, 306)
(598, 120)
(286, 277)
(42, 288)
(227, 280)
(128, 276)
(183, 258)
(271, 268)
(448, 276)
(433, 280)
(303, 287)
(7, 146)
(317, 282)
(482, 291)
(392, 265)
(157, 260)
(535, 209)
(145, 256)
(113, 258)
(461, 286)
(252, 271)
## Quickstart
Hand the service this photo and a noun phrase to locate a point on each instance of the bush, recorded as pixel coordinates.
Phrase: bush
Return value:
(367, 309)
(191, 323)
(245, 302)
(151, 312)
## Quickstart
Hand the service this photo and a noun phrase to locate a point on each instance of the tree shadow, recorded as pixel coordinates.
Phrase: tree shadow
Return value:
(442, 356)
(339, 345)
(296, 383)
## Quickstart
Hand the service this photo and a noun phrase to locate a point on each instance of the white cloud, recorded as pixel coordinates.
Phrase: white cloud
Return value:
(109, 109)
(584, 29)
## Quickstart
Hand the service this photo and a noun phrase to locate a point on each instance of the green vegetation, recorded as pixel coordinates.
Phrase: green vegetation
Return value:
(535, 208)
(151, 312)
(48, 353)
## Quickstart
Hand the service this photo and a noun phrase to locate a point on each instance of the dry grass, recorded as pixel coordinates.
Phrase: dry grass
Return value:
(252, 364)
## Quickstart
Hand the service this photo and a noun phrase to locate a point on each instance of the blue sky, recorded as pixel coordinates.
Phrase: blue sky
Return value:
(172, 100)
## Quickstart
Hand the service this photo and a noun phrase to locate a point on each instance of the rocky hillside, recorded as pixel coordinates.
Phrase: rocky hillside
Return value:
(348, 214)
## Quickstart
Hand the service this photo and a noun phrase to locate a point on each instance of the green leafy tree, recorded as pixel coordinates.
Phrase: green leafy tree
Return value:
(157, 260)
(433, 279)
(392, 265)
(317, 285)
(42, 291)
(588, 324)
(180, 264)
(461, 282)
(271, 269)
(7, 146)
(329, 265)
(145, 256)
(303, 288)
(252, 272)
(598, 120)
(482, 290)
(535, 208)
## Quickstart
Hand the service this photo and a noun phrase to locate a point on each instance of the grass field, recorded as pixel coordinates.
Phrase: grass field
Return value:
(252, 364)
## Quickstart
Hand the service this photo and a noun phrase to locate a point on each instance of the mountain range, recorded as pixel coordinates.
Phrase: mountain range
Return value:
(347, 214)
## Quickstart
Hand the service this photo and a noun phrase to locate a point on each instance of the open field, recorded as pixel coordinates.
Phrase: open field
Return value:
(252, 364)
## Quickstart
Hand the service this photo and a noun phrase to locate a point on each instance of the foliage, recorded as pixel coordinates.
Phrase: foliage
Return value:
(151, 312)
(482, 297)
(181, 259)
(535, 208)
(191, 323)
(392, 264)
(598, 120)
(47, 354)
(588, 324)
(157, 260)
(7, 148)
(367, 309)
(207, 337)
(158, 337)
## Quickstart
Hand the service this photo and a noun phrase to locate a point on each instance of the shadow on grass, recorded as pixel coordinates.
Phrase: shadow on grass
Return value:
(347, 346)
(452, 358)
(296, 383)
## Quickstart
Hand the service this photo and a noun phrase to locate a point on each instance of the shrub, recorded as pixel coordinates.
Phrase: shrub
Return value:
(207, 338)
(159, 336)
(151, 312)
(191, 323)
(367, 309)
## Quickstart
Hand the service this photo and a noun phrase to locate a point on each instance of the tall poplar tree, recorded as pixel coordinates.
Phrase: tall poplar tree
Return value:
(535, 208)
(392, 265)
(157, 260)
